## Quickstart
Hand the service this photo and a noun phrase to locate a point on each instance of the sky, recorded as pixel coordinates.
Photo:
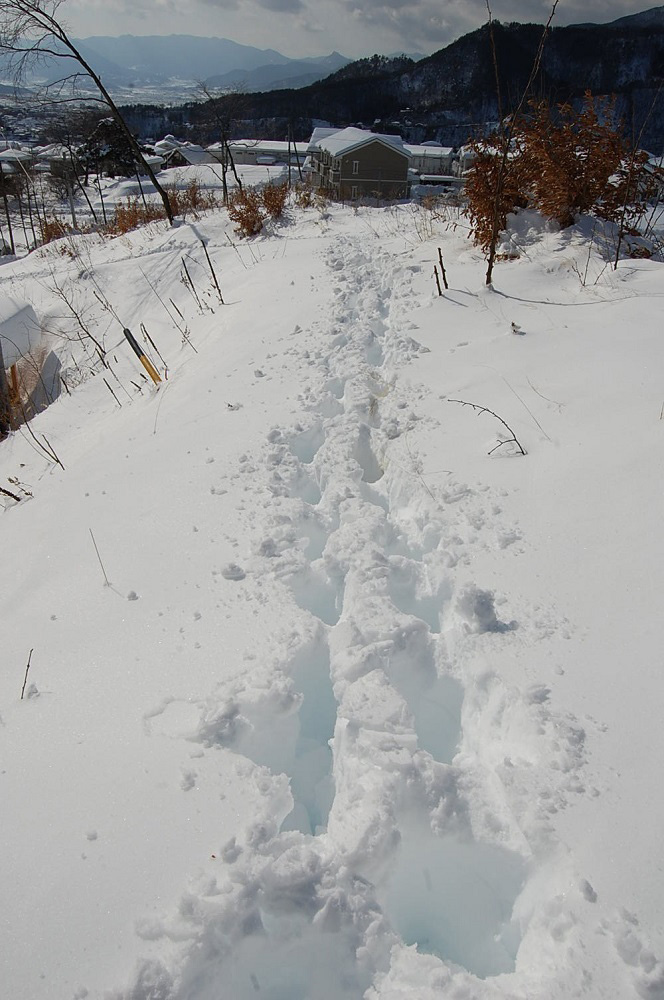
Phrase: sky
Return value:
(298, 28)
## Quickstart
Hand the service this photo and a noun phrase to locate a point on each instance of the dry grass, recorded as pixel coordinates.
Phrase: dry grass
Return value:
(131, 214)
(191, 201)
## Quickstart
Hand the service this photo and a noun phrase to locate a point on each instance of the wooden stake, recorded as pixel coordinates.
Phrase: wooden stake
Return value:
(442, 267)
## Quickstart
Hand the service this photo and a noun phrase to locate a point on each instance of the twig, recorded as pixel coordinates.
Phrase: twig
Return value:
(107, 582)
(189, 284)
(152, 343)
(52, 452)
(112, 394)
(8, 493)
(526, 407)
(435, 273)
(542, 396)
(25, 679)
(212, 271)
(485, 409)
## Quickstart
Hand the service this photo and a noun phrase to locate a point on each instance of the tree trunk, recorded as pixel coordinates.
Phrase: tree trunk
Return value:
(135, 148)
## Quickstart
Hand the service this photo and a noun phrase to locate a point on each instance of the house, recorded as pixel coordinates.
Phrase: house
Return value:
(261, 152)
(14, 167)
(430, 159)
(172, 152)
(60, 161)
(352, 163)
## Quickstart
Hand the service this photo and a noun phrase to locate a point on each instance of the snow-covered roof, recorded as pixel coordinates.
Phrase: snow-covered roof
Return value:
(431, 152)
(195, 154)
(15, 155)
(19, 329)
(260, 145)
(54, 152)
(346, 139)
(320, 132)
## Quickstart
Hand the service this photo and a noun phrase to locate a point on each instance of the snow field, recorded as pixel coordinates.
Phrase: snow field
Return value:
(354, 737)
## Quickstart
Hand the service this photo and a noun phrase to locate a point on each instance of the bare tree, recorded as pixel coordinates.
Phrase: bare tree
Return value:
(30, 30)
(506, 131)
(220, 110)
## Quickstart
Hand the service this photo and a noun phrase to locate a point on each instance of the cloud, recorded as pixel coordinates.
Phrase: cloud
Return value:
(307, 27)
(221, 4)
(282, 6)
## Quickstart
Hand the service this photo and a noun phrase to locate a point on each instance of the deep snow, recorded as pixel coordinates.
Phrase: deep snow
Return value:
(365, 711)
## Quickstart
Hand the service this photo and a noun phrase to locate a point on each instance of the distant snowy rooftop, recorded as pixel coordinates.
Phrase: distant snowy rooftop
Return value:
(429, 151)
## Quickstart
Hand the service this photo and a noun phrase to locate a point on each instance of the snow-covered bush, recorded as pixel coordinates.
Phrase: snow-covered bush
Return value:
(564, 162)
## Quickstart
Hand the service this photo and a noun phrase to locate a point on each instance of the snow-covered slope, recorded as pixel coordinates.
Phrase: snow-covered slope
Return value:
(353, 708)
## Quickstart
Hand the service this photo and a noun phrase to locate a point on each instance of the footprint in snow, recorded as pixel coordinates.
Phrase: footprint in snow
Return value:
(232, 571)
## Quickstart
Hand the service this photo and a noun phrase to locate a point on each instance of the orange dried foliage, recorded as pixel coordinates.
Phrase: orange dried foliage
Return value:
(563, 163)
(274, 197)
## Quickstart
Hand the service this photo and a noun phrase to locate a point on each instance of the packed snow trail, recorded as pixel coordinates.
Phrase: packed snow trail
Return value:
(399, 829)
(311, 744)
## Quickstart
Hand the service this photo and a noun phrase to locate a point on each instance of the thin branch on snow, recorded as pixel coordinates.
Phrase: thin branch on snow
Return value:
(485, 409)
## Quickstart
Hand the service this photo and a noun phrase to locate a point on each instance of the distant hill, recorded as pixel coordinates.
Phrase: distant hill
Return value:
(294, 73)
(448, 94)
(645, 19)
(135, 61)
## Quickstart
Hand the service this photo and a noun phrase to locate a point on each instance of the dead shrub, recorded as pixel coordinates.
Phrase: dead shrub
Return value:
(496, 185)
(131, 214)
(564, 162)
(305, 195)
(274, 198)
(246, 211)
(578, 161)
(193, 200)
(53, 229)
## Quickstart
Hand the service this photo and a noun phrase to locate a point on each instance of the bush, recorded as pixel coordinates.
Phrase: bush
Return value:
(192, 200)
(496, 185)
(131, 214)
(577, 164)
(244, 208)
(53, 229)
(563, 163)
(274, 198)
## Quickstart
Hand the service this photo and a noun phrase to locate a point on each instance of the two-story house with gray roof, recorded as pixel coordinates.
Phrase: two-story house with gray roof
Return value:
(352, 163)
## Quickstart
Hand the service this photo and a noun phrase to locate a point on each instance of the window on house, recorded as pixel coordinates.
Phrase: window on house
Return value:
(353, 193)
(356, 166)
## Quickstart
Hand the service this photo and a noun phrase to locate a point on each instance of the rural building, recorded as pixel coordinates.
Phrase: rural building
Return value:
(261, 152)
(352, 163)
(430, 159)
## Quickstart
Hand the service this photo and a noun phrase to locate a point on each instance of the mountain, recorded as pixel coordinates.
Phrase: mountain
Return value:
(645, 19)
(273, 76)
(456, 86)
(130, 61)
(185, 56)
